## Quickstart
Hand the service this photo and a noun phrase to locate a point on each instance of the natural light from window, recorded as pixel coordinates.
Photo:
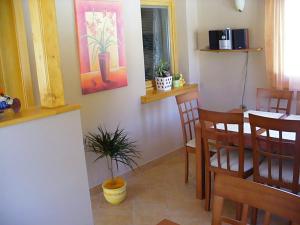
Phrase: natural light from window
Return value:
(291, 43)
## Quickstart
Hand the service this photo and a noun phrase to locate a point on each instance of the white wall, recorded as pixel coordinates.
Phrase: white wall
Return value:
(221, 75)
(43, 173)
(187, 33)
(155, 126)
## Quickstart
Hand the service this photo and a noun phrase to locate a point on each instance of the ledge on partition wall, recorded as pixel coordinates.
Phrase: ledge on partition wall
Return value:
(9, 118)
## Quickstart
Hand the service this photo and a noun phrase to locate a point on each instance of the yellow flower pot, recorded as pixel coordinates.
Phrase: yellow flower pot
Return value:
(114, 191)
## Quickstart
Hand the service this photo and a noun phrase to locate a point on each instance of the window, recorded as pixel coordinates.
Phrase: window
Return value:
(158, 28)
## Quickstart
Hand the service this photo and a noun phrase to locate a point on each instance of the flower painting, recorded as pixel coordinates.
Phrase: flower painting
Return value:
(101, 45)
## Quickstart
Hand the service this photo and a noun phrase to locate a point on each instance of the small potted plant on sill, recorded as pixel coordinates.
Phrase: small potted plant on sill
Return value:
(163, 77)
(176, 80)
(118, 149)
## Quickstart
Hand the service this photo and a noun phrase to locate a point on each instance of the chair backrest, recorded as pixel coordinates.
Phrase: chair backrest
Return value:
(223, 133)
(274, 100)
(298, 102)
(188, 105)
(277, 142)
(250, 194)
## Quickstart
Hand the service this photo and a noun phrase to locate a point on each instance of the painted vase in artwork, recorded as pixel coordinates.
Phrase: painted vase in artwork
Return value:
(104, 64)
(101, 43)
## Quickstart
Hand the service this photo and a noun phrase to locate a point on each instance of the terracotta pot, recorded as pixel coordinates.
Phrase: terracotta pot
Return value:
(104, 63)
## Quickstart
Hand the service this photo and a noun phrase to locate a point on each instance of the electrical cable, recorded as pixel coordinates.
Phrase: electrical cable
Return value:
(245, 80)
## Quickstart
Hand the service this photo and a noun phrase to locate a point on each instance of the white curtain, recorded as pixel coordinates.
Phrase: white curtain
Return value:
(274, 42)
(161, 40)
(292, 43)
(282, 44)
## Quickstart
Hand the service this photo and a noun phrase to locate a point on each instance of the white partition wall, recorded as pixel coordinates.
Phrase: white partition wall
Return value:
(43, 178)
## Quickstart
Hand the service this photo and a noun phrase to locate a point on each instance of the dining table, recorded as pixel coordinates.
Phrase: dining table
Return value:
(200, 160)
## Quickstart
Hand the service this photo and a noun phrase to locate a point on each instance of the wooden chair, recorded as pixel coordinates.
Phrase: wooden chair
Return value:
(188, 105)
(251, 194)
(277, 141)
(167, 222)
(273, 100)
(227, 132)
(298, 102)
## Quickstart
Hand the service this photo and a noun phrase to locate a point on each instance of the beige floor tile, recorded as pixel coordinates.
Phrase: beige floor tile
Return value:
(155, 192)
(146, 213)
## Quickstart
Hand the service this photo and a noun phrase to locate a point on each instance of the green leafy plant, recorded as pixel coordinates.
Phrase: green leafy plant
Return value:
(176, 76)
(115, 146)
(162, 69)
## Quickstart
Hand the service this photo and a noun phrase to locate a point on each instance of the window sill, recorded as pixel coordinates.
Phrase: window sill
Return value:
(9, 118)
(154, 95)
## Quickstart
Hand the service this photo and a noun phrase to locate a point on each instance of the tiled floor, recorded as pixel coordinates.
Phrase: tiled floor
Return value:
(155, 192)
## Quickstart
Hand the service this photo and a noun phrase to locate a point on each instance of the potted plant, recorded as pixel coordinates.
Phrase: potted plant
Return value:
(163, 78)
(118, 149)
(176, 80)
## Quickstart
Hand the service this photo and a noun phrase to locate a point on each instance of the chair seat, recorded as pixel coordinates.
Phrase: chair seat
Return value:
(191, 143)
(167, 222)
(234, 160)
(287, 170)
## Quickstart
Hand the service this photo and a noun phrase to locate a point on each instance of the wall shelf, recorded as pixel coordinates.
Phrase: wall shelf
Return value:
(9, 118)
(154, 95)
(232, 50)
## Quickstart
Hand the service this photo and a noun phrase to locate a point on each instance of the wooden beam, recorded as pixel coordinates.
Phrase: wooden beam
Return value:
(15, 76)
(46, 50)
(23, 53)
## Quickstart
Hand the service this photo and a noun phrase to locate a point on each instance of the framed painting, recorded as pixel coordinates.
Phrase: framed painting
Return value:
(101, 45)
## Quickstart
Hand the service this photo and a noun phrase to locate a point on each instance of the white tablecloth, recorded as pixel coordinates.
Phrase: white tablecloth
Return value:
(235, 127)
(292, 117)
(265, 114)
(273, 133)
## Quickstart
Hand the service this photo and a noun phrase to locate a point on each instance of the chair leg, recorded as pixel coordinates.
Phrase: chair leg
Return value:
(207, 190)
(239, 208)
(186, 167)
(254, 216)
